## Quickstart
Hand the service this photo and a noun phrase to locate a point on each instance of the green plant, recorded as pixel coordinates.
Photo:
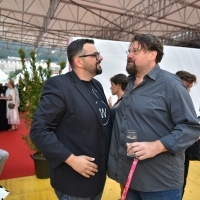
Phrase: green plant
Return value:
(30, 85)
(11, 76)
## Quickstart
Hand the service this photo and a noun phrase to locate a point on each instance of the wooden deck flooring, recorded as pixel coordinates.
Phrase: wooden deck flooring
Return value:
(31, 188)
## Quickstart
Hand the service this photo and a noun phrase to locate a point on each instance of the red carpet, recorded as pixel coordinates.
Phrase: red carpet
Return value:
(19, 163)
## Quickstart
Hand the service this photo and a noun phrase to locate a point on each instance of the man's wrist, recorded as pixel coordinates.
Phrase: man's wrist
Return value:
(70, 159)
(160, 147)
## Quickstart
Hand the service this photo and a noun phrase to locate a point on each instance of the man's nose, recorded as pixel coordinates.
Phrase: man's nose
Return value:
(100, 57)
(130, 55)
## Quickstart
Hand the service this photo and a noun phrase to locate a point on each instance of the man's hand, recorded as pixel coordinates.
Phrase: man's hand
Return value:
(144, 150)
(83, 165)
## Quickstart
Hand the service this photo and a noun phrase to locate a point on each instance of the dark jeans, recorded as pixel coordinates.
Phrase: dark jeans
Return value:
(161, 195)
(62, 196)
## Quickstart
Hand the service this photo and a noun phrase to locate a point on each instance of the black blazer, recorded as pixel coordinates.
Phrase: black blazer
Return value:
(67, 121)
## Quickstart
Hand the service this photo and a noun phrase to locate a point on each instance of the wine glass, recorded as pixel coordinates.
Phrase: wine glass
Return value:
(131, 136)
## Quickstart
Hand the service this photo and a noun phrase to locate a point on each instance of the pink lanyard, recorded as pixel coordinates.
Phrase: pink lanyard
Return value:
(128, 181)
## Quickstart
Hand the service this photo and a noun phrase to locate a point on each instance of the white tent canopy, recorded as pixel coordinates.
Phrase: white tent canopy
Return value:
(3, 77)
(51, 23)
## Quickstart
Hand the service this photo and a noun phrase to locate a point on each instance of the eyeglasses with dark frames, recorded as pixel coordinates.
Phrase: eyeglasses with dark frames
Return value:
(95, 54)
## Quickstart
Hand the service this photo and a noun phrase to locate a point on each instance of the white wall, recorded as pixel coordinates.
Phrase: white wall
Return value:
(175, 59)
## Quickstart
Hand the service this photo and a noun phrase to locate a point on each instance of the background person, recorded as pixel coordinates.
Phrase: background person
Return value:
(5, 87)
(188, 80)
(1, 90)
(118, 86)
(156, 105)
(12, 114)
(17, 99)
(72, 126)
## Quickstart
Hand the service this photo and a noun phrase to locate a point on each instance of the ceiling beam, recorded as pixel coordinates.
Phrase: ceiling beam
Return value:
(50, 13)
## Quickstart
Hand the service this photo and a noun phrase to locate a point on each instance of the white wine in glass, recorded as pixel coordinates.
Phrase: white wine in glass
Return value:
(131, 137)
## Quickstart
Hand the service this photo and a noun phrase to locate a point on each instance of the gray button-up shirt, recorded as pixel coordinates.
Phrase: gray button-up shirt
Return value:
(160, 108)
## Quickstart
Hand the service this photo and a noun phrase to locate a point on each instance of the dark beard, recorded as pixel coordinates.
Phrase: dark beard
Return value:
(131, 70)
(98, 70)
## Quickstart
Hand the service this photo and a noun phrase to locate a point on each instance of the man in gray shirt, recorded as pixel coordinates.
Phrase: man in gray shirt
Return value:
(157, 105)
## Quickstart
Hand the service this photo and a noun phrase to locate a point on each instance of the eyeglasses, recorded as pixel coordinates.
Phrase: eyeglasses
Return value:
(95, 54)
(134, 51)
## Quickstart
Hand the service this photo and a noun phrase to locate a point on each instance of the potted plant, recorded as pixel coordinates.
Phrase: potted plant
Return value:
(31, 83)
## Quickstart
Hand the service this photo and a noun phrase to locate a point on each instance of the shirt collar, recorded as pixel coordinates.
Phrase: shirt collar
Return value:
(154, 72)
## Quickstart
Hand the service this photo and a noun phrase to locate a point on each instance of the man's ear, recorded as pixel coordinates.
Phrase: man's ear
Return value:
(78, 62)
(153, 55)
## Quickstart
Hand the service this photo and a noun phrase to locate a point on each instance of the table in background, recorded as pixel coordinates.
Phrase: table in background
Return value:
(3, 120)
